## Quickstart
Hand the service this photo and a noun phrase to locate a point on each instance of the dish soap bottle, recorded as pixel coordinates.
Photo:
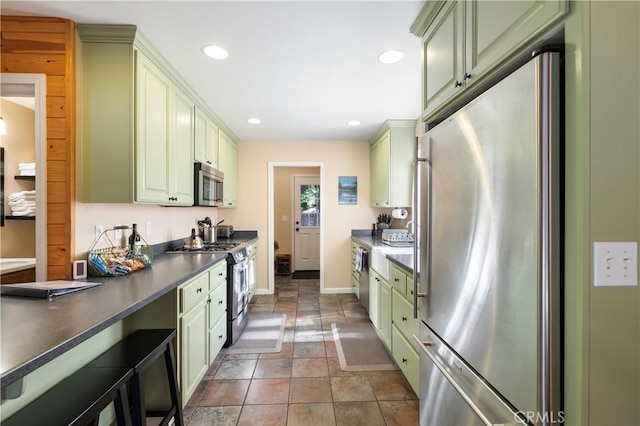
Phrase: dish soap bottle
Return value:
(134, 239)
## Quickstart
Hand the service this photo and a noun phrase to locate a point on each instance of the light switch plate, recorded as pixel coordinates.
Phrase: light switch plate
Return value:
(615, 264)
(285, 218)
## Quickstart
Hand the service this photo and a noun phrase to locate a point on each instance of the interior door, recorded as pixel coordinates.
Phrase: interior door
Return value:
(306, 241)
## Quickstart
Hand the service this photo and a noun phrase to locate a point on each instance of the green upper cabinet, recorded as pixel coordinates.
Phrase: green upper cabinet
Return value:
(181, 167)
(464, 40)
(392, 150)
(206, 140)
(228, 164)
(140, 122)
(164, 138)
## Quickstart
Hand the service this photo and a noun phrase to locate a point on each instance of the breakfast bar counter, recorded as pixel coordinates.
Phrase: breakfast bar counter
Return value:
(35, 331)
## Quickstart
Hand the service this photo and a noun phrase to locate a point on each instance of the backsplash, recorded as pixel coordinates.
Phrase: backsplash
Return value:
(167, 223)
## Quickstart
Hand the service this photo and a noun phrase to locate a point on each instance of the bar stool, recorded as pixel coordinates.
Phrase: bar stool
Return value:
(78, 400)
(139, 351)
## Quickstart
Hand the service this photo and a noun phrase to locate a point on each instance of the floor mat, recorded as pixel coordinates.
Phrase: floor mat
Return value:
(360, 348)
(263, 334)
(306, 275)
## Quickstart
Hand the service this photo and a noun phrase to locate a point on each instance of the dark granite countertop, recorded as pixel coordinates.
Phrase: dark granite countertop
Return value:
(405, 261)
(35, 331)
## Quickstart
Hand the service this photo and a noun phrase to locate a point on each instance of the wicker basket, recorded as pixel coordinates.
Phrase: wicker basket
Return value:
(115, 261)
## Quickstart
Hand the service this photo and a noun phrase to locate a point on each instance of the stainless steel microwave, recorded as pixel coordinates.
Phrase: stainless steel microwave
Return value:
(207, 185)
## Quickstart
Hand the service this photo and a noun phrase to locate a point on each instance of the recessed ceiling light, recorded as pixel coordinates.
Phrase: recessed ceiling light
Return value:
(254, 120)
(215, 52)
(353, 123)
(391, 56)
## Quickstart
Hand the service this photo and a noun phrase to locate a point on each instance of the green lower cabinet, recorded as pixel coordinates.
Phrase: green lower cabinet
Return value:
(374, 297)
(385, 312)
(202, 329)
(402, 317)
(217, 336)
(407, 359)
(355, 285)
(194, 349)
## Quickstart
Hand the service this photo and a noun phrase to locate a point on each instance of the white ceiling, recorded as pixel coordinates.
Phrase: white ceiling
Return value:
(304, 68)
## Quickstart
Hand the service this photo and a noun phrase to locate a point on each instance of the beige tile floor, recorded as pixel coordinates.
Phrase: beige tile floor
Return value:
(303, 384)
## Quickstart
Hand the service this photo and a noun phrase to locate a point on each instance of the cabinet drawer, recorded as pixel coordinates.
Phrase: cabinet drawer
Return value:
(218, 275)
(217, 337)
(402, 316)
(217, 305)
(406, 358)
(193, 292)
(398, 279)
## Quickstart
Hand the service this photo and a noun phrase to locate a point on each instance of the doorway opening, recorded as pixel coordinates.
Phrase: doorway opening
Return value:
(23, 100)
(296, 192)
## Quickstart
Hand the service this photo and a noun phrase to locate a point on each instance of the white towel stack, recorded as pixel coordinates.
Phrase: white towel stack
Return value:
(23, 203)
(27, 169)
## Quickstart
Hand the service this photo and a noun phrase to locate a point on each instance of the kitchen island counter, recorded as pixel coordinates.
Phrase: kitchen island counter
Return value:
(36, 331)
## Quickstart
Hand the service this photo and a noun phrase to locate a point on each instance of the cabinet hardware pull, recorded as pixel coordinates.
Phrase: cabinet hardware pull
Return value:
(404, 360)
(404, 319)
(220, 336)
(467, 76)
(458, 84)
(199, 290)
(220, 302)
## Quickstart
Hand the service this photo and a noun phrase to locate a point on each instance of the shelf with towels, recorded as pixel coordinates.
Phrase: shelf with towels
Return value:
(21, 177)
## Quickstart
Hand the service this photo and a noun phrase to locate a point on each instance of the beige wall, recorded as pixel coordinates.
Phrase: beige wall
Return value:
(340, 158)
(283, 202)
(18, 237)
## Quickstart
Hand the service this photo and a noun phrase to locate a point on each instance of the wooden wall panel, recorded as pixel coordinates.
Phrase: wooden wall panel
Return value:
(47, 46)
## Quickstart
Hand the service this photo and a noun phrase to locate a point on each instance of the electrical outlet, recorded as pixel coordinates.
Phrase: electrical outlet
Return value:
(148, 228)
(99, 230)
(615, 263)
(118, 232)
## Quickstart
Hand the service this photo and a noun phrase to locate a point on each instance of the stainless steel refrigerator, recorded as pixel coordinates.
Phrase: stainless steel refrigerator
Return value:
(489, 205)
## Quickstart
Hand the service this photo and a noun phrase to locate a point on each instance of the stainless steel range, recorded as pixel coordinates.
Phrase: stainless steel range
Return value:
(237, 283)
(217, 247)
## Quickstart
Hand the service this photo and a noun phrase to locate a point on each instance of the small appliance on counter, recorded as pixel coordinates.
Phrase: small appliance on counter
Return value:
(397, 237)
(224, 231)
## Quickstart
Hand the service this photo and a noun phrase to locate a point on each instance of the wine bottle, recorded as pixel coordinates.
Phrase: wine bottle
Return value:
(134, 238)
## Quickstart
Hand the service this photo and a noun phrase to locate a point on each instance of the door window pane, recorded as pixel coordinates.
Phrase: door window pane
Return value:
(310, 205)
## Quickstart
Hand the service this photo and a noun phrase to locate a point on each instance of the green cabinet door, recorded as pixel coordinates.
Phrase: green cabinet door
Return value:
(385, 312)
(194, 349)
(206, 140)
(374, 298)
(380, 171)
(180, 164)
(443, 56)
(391, 157)
(153, 137)
(228, 164)
(497, 29)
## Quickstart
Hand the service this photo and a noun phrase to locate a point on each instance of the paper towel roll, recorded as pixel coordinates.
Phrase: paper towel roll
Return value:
(399, 213)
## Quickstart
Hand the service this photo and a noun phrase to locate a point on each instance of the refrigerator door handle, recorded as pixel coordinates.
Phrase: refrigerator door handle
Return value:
(424, 346)
(416, 231)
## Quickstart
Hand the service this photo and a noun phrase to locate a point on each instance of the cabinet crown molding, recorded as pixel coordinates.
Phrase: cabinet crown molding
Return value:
(425, 17)
(389, 124)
